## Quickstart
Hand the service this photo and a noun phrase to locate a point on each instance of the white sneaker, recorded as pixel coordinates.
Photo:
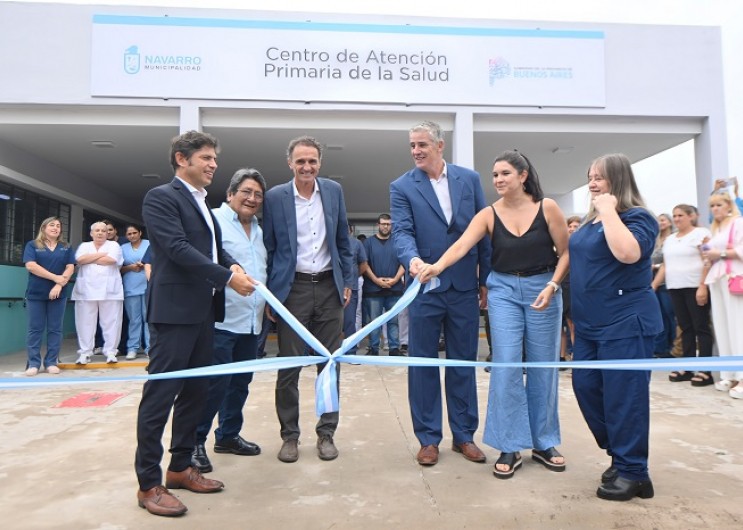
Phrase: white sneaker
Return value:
(736, 392)
(111, 358)
(32, 371)
(53, 369)
(131, 355)
(83, 359)
(98, 351)
(724, 385)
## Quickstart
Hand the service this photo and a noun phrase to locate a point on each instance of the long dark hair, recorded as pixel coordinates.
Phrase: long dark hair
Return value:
(521, 163)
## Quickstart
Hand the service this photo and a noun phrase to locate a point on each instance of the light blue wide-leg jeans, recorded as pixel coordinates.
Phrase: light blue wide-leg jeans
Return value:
(522, 411)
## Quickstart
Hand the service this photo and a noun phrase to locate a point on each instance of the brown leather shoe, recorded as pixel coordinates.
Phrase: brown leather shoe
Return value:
(191, 479)
(470, 451)
(159, 501)
(428, 455)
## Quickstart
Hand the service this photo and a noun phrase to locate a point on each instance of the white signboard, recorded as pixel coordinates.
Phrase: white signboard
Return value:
(198, 58)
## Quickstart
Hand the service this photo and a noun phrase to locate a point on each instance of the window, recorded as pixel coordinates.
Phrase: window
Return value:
(21, 213)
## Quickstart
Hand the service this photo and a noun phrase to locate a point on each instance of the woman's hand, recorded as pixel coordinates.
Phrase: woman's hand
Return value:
(55, 292)
(605, 203)
(702, 295)
(543, 300)
(427, 271)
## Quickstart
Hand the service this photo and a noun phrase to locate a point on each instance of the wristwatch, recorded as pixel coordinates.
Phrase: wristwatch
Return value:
(554, 285)
(723, 254)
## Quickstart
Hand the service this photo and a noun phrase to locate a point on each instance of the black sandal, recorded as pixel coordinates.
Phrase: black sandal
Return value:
(512, 460)
(545, 458)
(677, 377)
(702, 379)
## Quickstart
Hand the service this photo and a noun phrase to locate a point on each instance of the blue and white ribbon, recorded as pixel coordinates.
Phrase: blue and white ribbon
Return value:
(326, 385)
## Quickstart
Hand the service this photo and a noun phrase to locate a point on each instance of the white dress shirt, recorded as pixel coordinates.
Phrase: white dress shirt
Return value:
(441, 189)
(200, 196)
(313, 254)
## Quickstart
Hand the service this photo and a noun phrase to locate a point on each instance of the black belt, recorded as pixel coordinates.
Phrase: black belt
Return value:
(313, 277)
(534, 272)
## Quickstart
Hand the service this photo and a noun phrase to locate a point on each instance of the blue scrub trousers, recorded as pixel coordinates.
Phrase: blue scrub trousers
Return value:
(522, 414)
(616, 403)
(44, 315)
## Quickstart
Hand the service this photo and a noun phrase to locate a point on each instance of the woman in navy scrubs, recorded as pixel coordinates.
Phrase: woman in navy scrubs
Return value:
(50, 262)
(617, 317)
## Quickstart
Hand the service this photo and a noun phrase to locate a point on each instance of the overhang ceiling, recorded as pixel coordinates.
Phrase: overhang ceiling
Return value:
(366, 150)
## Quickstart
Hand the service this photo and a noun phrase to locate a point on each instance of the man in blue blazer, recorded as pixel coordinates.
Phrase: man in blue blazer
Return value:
(190, 271)
(305, 232)
(432, 205)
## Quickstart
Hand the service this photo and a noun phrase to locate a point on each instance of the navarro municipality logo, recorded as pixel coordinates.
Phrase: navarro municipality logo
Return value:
(131, 60)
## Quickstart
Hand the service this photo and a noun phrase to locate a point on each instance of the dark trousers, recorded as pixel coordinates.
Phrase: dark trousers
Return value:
(228, 393)
(664, 339)
(616, 403)
(694, 321)
(174, 347)
(349, 318)
(317, 306)
(460, 316)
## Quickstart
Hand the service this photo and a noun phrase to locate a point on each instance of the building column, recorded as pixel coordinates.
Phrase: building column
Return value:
(710, 161)
(463, 141)
(190, 117)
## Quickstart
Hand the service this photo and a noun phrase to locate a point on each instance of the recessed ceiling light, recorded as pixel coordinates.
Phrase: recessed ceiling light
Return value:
(151, 176)
(562, 150)
(103, 144)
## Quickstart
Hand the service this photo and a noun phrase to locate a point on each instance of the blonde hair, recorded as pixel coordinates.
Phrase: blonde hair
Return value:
(617, 170)
(725, 196)
(41, 236)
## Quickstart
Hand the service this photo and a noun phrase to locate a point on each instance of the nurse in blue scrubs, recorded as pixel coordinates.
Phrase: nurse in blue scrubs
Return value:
(616, 316)
(50, 262)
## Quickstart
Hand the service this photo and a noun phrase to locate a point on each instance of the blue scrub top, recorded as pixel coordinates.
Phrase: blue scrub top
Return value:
(614, 300)
(135, 283)
(55, 261)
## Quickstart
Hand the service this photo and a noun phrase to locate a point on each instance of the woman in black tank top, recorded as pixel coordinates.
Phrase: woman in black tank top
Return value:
(530, 258)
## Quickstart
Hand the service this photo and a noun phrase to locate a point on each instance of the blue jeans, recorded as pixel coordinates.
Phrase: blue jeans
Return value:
(228, 394)
(375, 306)
(522, 415)
(44, 314)
(136, 311)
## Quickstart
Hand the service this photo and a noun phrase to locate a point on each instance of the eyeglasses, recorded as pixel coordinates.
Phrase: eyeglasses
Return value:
(257, 195)
(385, 224)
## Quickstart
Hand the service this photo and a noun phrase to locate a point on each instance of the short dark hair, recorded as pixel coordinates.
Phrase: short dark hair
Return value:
(190, 142)
(243, 174)
(384, 216)
(307, 141)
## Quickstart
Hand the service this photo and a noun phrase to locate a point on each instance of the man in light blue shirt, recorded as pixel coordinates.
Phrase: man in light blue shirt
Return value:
(236, 338)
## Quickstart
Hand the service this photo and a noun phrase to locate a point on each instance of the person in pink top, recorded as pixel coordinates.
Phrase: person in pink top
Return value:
(724, 252)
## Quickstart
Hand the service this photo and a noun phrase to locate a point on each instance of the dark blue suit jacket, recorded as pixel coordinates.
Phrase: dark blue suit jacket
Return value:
(420, 228)
(184, 276)
(280, 236)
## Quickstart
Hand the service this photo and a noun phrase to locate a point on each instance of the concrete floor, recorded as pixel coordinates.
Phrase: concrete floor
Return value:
(73, 467)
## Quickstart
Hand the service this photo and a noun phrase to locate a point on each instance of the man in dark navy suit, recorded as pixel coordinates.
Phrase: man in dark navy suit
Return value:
(432, 205)
(190, 271)
(309, 270)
